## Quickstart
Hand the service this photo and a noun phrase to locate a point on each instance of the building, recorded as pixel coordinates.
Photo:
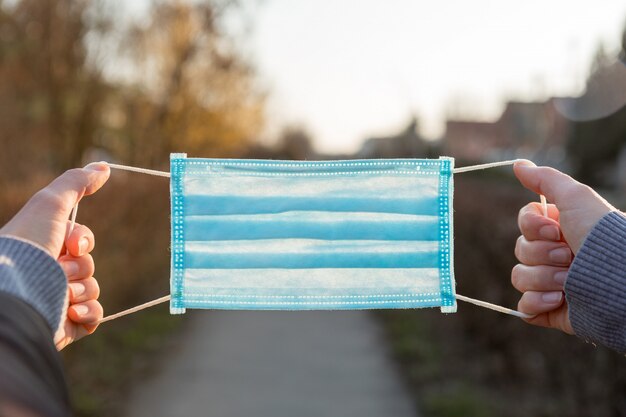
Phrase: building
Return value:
(406, 144)
(533, 130)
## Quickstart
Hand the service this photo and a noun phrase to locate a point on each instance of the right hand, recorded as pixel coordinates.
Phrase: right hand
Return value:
(43, 222)
(545, 247)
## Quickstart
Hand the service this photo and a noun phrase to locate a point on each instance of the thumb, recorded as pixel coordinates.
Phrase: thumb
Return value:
(69, 188)
(559, 188)
(43, 220)
(580, 207)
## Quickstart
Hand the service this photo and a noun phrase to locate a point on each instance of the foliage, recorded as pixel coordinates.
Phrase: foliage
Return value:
(196, 94)
(78, 81)
(49, 98)
(594, 146)
(73, 78)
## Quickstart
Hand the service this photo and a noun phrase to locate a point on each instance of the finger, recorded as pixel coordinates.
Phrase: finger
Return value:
(80, 241)
(555, 185)
(542, 252)
(556, 319)
(87, 313)
(583, 205)
(84, 290)
(537, 302)
(77, 268)
(64, 192)
(538, 278)
(535, 226)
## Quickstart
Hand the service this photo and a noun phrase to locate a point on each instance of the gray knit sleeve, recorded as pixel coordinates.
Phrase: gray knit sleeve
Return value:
(32, 275)
(596, 284)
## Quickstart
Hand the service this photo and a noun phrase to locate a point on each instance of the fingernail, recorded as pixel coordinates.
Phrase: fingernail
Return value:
(560, 277)
(70, 268)
(550, 232)
(83, 245)
(525, 163)
(81, 309)
(77, 288)
(96, 166)
(552, 297)
(560, 256)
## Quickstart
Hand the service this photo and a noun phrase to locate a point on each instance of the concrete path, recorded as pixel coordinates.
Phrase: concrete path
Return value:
(276, 364)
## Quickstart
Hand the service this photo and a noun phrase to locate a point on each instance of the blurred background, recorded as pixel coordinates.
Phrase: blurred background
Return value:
(130, 82)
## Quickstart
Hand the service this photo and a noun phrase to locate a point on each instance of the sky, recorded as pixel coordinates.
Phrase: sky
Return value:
(350, 69)
(346, 70)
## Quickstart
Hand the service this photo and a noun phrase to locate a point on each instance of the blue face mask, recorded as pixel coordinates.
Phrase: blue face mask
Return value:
(287, 235)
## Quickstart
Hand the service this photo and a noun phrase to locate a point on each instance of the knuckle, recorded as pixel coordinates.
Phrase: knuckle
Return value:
(50, 199)
(75, 177)
(83, 229)
(528, 300)
(515, 275)
(521, 304)
(90, 266)
(72, 171)
(88, 232)
(575, 189)
(74, 174)
(521, 217)
(95, 289)
(519, 245)
(97, 309)
(525, 222)
(551, 171)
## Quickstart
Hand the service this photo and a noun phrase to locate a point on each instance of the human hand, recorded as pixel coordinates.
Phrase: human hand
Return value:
(44, 222)
(546, 245)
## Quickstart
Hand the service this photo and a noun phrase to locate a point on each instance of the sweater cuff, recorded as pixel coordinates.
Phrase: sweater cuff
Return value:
(596, 284)
(32, 275)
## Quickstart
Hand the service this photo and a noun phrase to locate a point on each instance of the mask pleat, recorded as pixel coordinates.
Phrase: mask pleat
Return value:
(250, 204)
(313, 225)
(305, 254)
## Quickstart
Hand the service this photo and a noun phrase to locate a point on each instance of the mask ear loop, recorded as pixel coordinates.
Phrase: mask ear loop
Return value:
(73, 224)
(136, 308)
(544, 209)
(494, 307)
(544, 205)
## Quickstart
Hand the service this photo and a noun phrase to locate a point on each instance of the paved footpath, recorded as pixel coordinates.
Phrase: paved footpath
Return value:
(276, 364)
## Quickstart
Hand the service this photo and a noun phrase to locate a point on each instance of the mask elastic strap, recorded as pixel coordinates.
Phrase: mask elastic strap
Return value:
(136, 308)
(494, 307)
(166, 298)
(485, 166)
(544, 208)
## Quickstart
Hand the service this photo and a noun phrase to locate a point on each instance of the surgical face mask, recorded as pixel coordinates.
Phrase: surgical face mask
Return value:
(292, 235)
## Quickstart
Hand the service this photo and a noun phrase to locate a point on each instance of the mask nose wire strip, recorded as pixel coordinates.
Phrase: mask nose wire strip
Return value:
(167, 297)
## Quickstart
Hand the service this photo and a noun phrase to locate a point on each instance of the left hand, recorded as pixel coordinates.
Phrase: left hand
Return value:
(43, 221)
(548, 244)
(544, 261)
